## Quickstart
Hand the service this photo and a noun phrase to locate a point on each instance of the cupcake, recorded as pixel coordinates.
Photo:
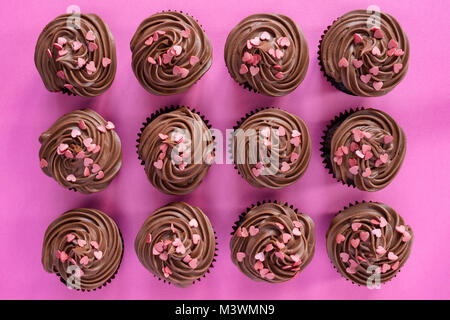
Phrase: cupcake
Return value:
(368, 243)
(81, 151)
(171, 52)
(271, 148)
(176, 147)
(272, 242)
(76, 55)
(84, 248)
(364, 53)
(177, 243)
(267, 53)
(364, 148)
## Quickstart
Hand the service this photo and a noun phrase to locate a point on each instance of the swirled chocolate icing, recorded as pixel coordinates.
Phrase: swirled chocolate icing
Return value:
(177, 243)
(76, 54)
(367, 149)
(368, 241)
(81, 151)
(170, 53)
(271, 148)
(367, 52)
(83, 247)
(272, 242)
(177, 148)
(268, 53)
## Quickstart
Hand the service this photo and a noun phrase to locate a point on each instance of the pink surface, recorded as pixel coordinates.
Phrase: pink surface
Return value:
(30, 200)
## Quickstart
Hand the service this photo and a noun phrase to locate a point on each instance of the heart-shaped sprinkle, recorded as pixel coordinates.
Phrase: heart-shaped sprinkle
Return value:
(283, 42)
(185, 33)
(279, 75)
(296, 232)
(391, 52)
(84, 260)
(385, 267)
(356, 226)
(392, 256)
(71, 178)
(406, 236)
(285, 166)
(75, 132)
(294, 157)
(68, 154)
(357, 38)
(344, 256)
(378, 34)
(399, 52)
(60, 74)
(397, 67)
(352, 162)
(81, 242)
(259, 256)
(87, 162)
(254, 70)
(380, 250)
(43, 163)
(364, 235)
(95, 244)
(339, 238)
(57, 46)
(376, 51)
(62, 52)
(193, 60)
(392, 44)
(90, 67)
(279, 254)
(269, 247)
(374, 70)
(62, 41)
(92, 46)
(98, 254)
(90, 36)
(357, 63)
(384, 157)
(255, 41)
(265, 36)
(365, 78)
(151, 60)
(253, 231)
(400, 229)
(149, 41)
(383, 222)
(195, 238)
(376, 232)
(286, 237)
(243, 69)
(354, 170)
(395, 265)
(295, 141)
(76, 45)
(240, 256)
(388, 139)
(105, 62)
(256, 172)
(166, 271)
(343, 63)
(354, 243)
(377, 85)
(86, 172)
(101, 128)
(70, 237)
(96, 168)
(278, 54)
(193, 223)
(100, 175)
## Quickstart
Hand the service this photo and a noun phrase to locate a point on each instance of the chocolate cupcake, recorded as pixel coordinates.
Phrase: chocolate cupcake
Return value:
(81, 151)
(76, 54)
(84, 248)
(271, 148)
(364, 148)
(364, 53)
(171, 52)
(368, 243)
(272, 242)
(267, 53)
(176, 147)
(177, 243)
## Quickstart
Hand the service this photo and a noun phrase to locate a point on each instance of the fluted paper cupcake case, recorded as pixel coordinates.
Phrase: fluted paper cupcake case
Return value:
(326, 142)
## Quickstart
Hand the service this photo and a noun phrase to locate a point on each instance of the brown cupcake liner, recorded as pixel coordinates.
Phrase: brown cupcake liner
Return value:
(165, 110)
(351, 204)
(107, 281)
(64, 90)
(338, 85)
(326, 142)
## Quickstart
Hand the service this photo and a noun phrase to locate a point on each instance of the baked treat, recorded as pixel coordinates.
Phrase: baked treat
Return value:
(76, 54)
(177, 243)
(271, 148)
(272, 242)
(364, 53)
(364, 148)
(267, 53)
(84, 248)
(81, 151)
(171, 52)
(176, 147)
(367, 242)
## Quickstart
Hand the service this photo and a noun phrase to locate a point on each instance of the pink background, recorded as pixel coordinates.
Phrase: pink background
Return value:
(30, 200)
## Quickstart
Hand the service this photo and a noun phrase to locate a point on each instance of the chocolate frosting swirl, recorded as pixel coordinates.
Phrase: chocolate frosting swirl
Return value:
(177, 243)
(369, 234)
(278, 50)
(158, 65)
(81, 151)
(379, 43)
(76, 54)
(177, 149)
(371, 163)
(84, 245)
(272, 242)
(284, 160)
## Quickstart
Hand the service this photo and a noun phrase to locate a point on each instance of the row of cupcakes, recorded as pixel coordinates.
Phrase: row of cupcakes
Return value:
(270, 148)
(362, 53)
(368, 243)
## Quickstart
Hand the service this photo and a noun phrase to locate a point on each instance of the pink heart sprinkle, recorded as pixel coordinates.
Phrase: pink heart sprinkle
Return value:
(406, 236)
(62, 52)
(397, 67)
(395, 265)
(86, 172)
(388, 139)
(365, 78)
(357, 63)
(82, 125)
(68, 154)
(70, 237)
(380, 250)
(294, 157)
(255, 41)
(376, 232)
(254, 70)
(269, 247)
(87, 162)
(75, 132)
(376, 51)
(193, 223)
(105, 62)
(96, 168)
(383, 222)
(253, 231)
(60, 74)
(285, 166)
(159, 247)
(279, 75)
(149, 41)
(357, 38)
(247, 57)
(94, 244)
(365, 148)
(71, 178)
(84, 260)
(378, 34)
(377, 85)
(256, 172)
(81, 242)
(49, 53)
(265, 36)
(356, 226)
(354, 146)
(366, 172)
(92, 46)
(279, 254)
(43, 163)
(350, 270)
(391, 52)
(240, 256)
(166, 271)
(344, 256)
(374, 70)
(76, 45)
(400, 229)
(283, 42)
(163, 136)
(100, 175)
(187, 258)
(259, 256)
(90, 36)
(343, 63)
(194, 60)
(243, 69)
(295, 141)
(98, 254)
(399, 52)
(354, 243)
(62, 41)
(364, 235)
(101, 128)
(57, 46)
(177, 50)
(185, 33)
(90, 67)
(256, 59)
(392, 256)
(392, 44)
(195, 238)
(385, 267)
(278, 54)
(151, 60)
(354, 170)
(296, 232)
(286, 237)
(110, 125)
(384, 158)
(339, 238)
